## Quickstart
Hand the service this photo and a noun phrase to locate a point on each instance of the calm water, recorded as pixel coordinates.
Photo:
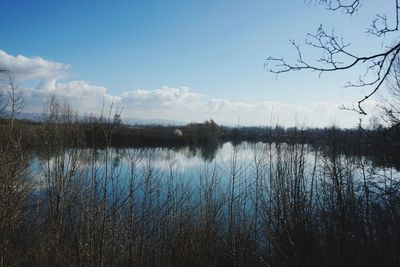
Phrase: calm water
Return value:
(250, 195)
(244, 161)
(184, 161)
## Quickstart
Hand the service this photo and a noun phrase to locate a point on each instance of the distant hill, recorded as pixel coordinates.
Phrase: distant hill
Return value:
(133, 121)
(30, 116)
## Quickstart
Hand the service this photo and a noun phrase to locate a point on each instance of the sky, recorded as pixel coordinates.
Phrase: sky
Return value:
(183, 60)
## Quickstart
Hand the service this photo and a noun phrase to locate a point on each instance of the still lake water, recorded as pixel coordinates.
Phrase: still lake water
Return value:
(241, 196)
(243, 161)
(183, 161)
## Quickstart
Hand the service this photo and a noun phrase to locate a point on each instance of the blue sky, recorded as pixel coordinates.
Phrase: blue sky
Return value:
(181, 60)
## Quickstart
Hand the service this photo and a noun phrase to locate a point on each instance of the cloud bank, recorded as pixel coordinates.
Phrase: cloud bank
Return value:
(26, 68)
(179, 104)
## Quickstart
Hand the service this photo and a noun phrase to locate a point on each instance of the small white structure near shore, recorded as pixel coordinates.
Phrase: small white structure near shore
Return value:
(178, 132)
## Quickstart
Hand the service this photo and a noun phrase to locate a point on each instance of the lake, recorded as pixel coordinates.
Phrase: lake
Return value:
(244, 162)
(226, 203)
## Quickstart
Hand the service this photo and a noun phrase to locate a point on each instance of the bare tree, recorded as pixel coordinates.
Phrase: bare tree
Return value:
(3, 99)
(336, 55)
(391, 103)
(11, 99)
(16, 100)
(14, 186)
(3, 102)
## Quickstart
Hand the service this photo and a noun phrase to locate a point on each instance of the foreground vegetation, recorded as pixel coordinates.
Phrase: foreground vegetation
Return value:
(284, 208)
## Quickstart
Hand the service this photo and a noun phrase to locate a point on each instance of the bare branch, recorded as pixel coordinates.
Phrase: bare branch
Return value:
(336, 56)
(346, 6)
(349, 8)
(380, 27)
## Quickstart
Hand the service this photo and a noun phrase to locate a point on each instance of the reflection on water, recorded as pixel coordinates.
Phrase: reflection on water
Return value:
(190, 161)
(182, 159)
(249, 195)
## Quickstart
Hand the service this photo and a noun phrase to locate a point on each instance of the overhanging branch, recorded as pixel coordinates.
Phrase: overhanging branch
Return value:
(336, 56)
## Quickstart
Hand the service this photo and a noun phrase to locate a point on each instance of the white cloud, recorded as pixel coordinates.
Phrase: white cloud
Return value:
(167, 102)
(182, 104)
(165, 97)
(26, 68)
(84, 97)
